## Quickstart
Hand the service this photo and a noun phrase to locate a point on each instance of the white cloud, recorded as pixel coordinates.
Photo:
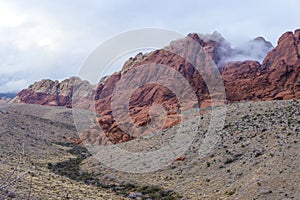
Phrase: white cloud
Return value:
(13, 86)
(12, 82)
(50, 39)
(8, 17)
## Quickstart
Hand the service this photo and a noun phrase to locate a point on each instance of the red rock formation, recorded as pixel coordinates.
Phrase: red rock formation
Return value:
(52, 93)
(276, 78)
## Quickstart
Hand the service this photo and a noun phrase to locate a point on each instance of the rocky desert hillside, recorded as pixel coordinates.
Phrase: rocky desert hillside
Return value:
(253, 156)
(4, 100)
(33, 136)
(275, 78)
(256, 157)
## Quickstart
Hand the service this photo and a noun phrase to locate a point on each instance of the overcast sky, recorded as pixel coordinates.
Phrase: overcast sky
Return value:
(51, 38)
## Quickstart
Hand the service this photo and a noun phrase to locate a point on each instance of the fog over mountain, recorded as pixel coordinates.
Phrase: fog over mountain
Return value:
(255, 49)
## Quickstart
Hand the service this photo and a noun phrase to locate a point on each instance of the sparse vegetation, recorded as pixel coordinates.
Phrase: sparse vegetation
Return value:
(208, 164)
(248, 146)
(71, 169)
(10, 183)
(231, 192)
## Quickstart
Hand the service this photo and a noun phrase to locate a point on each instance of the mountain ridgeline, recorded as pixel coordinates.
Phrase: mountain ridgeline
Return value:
(256, 71)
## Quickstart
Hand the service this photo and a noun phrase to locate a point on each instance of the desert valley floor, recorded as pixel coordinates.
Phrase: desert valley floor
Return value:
(257, 157)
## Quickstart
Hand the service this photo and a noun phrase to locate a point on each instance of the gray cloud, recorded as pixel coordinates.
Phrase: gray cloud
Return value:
(255, 49)
(50, 39)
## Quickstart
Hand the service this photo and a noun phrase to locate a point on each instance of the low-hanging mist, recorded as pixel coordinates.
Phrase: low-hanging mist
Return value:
(255, 49)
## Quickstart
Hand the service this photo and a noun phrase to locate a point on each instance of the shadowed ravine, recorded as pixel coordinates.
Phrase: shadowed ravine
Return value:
(71, 169)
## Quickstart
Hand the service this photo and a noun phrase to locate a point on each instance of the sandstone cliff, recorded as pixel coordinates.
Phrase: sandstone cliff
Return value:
(276, 78)
(55, 93)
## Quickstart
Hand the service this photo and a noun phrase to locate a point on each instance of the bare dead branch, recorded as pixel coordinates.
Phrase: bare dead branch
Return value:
(16, 175)
(30, 188)
(8, 179)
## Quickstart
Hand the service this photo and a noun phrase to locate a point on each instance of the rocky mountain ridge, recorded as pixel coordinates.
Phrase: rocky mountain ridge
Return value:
(276, 78)
(54, 93)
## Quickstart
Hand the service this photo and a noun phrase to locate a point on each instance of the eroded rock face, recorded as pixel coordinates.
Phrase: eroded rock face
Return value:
(282, 69)
(54, 93)
(286, 52)
(276, 78)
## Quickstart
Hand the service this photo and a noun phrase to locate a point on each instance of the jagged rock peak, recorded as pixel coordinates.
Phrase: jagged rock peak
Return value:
(262, 40)
(215, 36)
(133, 60)
(287, 51)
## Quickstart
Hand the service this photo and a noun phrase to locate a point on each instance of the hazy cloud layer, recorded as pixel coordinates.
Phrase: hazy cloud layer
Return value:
(50, 39)
(255, 49)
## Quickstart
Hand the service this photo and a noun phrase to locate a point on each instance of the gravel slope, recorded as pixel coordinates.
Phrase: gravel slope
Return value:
(31, 132)
(257, 156)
